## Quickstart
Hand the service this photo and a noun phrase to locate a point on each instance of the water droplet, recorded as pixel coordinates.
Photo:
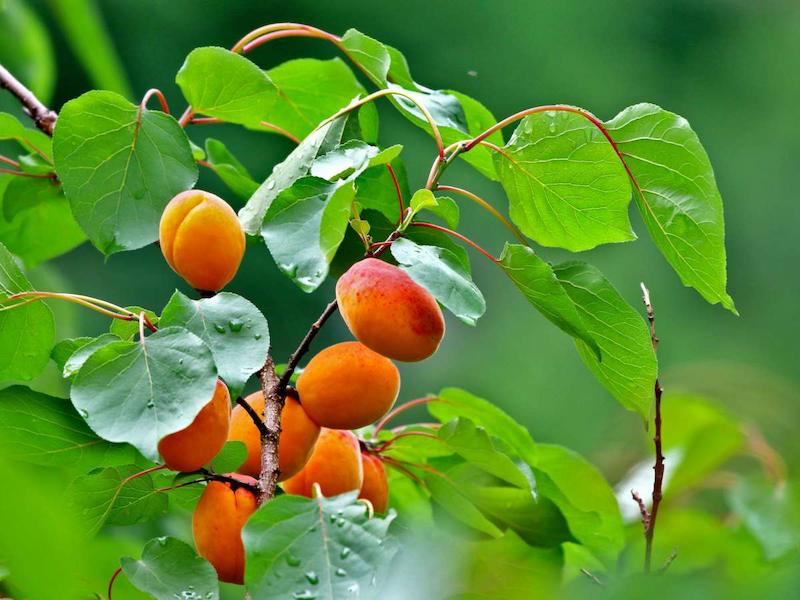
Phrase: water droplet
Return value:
(340, 572)
(84, 413)
(353, 589)
(340, 523)
(292, 560)
(552, 127)
(345, 552)
(219, 328)
(162, 541)
(304, 595)
(257, 336)
(180, 361)
(235, 325)
(151, 404)
(312, 578)
(271, 184)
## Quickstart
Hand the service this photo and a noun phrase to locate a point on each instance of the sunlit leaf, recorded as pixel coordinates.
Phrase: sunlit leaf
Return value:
(76, 360)
(229, 169)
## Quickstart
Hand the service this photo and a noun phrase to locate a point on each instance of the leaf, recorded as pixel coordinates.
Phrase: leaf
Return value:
(537, 281)
(325, 548)
(295, 166)
(66, 348)
(565, 184)
(309, 91)
(479, 119)
(25, 193)
(27, 333)
(139, 392)
(439, 271)
(231, 326)
(169, 569)
(447, 210)
(47, 431)
(26, 49)
(127, 330)
(229, 169)
(677, 195)
(304, 227)
(119, 167)
(346, 161)
(629, 367)
(28, 138)
(452, 499)
(375, 189)
(223, 84)
(76, 360)
(116, 496)
(230, 458)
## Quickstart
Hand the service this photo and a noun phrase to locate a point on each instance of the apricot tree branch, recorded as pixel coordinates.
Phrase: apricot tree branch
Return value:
(262, 429)
(43, 117)
(271, 433)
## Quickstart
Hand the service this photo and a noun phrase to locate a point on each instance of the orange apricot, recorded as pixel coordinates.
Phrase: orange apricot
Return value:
(335, 465)
(389, 312)
(217, 525)
(298, 436)
(202, 239)
(195, 445)
(375, 487)
(347, 386)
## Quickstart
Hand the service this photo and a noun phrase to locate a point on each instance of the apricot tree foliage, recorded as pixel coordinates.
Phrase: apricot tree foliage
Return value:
(340, 195)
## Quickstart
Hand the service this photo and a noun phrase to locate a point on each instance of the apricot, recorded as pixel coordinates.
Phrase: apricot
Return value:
(298, 436)
(202, 239)
(375, 487)
(347, 386)
(389, 312)
(195, 445)
(217, 525)
(335, 465)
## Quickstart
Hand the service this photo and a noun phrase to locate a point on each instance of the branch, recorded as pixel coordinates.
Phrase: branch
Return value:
(253, 415)
(271, 432)
(43, 117)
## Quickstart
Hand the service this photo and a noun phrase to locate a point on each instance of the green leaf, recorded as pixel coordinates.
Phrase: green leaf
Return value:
(421, 200)
(114, 496)
(47, 431)
(565, 184)
(169, 569)
(537, 281)
(120, 166)
(229, 169)
(139, 392)
(295, 166)
(629, 366)
(439, 271)
(677, 195)
(26, 49)
(479, 119)
(24, 193)
(223, 84)
(29, 138)
(447, 210)
(231, 326)
(309, 91)
(453, 501)
(346, 161)
(66, 348)
(375, 189)
(127, 330)
(325, 548)
(77, 359)
(304, 227)
(27, 333)
(230, 458)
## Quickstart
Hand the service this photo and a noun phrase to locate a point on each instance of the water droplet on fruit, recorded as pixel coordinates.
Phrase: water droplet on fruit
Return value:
(235, 325)
(312, 578)
(219, 328)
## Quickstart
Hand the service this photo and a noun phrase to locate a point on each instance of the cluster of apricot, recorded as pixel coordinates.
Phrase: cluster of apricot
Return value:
(344, 387)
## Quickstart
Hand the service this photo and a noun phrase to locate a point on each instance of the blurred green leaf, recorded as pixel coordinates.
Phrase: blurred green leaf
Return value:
(451, 498)
(164, 381)
(24, 193)
(229, 169)
(26, 49)
(325, 548)
(566, 186)
(438, 270)
(230, 458)
(169, 569)
(120, 166)
(220, 83)
(27, 333)
(231, 326)
(678, 196)
(29, 138)
(628, 368)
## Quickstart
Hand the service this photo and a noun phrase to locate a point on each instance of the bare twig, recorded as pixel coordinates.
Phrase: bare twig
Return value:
(642, 508)
(43, 117)
(271, 433)
(259, 423)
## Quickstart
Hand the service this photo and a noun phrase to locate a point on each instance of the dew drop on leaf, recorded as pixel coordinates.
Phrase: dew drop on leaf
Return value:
(345, 552)
(84, 413)
(312, 578)
(235, 325)
(340, 572)
(304, 595)
(292, 560)
(219, 328)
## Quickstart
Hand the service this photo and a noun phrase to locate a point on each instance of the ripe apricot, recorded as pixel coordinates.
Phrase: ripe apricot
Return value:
(347, 386)
(195, 445)
(202, 240)
(298, 436)
(375, 487)
(335, 465)
(389, 312)
(217, 525)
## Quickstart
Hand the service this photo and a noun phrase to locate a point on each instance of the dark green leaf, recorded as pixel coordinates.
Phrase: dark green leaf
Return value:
(29, 138)
(229, 169)
(120, 166)
(126, 330)
(566, 186)
(66, 348)
(47, 431)
(452, 499)
(27, 334)
(223, 84)
(230, 458)
(169, 569)
(677, 195)
(325, 548)
(628, 368)
(479, 119)
(79, 357)
(139, 392)
(375, 189)
(438, 270)
(26, 49)
(24, 193)
(537, 281)
(231, 326)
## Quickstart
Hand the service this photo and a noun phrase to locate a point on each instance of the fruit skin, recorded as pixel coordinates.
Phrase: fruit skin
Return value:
(389, 312)
(202, 239)
(298, 436)
(217, 525)
(335, 465)
(347, 386)
(194, 446)
(375, 487)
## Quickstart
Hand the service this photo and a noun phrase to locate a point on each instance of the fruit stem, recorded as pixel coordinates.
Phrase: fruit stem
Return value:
(399, 409)
(112, 580)
(399, 194)
(455, 234)
(158, 94)
(486, 206)
(25, 174)
(8, 161)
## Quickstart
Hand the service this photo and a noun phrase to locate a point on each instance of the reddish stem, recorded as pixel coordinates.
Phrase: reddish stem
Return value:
(402, 435)
(400, 409)
(112, 580)
(455, 234)
(486, 206)
(24, 174)
(265, 124)
(158, 94)
(398, 192)
(276, 35)
(8, 161)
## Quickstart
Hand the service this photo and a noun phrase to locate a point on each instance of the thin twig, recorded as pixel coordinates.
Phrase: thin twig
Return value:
(259, 423)
(112, 580)
(43, 117)
(399, 409)
(642, 508)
